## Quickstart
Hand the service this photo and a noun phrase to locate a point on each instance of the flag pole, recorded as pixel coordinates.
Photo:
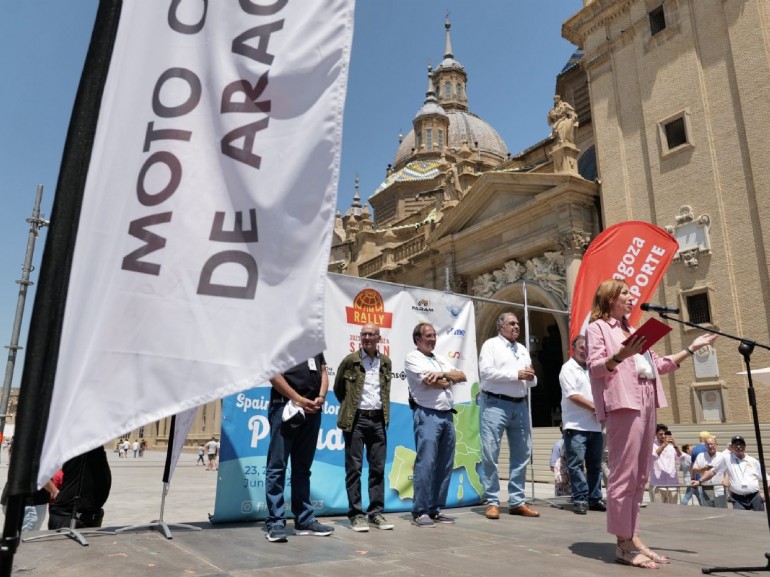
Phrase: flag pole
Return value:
(36, 222)
(48, 312)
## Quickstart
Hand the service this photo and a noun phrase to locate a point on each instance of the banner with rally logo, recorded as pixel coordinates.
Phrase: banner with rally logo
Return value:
(350, 303)
(203, 238)
(636, 252)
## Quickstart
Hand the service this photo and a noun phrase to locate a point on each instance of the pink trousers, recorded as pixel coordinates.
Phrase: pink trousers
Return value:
(630, 435)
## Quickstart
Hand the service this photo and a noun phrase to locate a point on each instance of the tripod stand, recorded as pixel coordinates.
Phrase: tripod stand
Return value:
(160, 524)
(72, 531)
(745, 348)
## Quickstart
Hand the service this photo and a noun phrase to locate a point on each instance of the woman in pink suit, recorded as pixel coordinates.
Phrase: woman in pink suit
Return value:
(627, 390)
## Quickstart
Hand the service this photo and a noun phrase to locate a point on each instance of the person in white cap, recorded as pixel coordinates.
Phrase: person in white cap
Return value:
(743, 478)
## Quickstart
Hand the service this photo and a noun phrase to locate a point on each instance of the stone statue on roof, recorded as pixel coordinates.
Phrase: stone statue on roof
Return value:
(563, 120)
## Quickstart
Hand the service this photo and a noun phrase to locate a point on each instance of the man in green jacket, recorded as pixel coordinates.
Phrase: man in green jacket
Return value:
(362, 386)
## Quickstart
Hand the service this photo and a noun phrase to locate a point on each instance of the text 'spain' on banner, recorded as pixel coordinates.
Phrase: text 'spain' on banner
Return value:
(350, 303)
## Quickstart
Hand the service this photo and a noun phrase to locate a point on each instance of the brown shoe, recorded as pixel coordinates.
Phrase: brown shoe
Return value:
(524, 511)
(493, 512)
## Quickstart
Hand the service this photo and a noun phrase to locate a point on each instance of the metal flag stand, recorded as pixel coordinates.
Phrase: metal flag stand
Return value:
(553, 501)
(160, 524)
(745, 348)
(72, 531)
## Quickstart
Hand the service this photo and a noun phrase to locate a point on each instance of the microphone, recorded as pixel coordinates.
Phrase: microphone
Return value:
(660, 308)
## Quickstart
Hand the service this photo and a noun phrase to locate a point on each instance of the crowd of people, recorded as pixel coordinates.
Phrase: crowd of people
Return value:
(362, 386)
(124, 448)
(611, 389)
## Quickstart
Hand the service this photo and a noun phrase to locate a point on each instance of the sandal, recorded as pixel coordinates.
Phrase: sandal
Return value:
(633, 557)
(647, 552)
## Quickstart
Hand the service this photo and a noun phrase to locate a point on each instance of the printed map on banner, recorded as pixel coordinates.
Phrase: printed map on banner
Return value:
(350, 303)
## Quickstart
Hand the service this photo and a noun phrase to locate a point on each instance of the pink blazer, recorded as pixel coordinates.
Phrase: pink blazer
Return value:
(619, 388)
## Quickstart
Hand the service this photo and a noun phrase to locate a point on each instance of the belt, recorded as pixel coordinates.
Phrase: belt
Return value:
(370, 413)
(505, 397)
(743, 498)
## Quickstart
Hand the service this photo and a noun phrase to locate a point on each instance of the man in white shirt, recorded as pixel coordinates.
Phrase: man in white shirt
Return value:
(743, 478)
(583, 440)
(506, 373)
(430, 379)
(711, 467)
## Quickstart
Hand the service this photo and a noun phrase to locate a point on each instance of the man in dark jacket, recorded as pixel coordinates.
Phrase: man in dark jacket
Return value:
(362, 386)
(85, 487)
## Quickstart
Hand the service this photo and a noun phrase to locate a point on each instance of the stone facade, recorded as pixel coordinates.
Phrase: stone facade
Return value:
(461, 212)
(679, 92)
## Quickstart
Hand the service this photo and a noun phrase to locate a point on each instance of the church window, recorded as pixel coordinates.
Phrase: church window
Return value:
(441, 139)
(429, 139)
(674, 133)
(698, 306)
(419, 139)
(657, 20)
(698, 309)
(447, 90)
(459, 90)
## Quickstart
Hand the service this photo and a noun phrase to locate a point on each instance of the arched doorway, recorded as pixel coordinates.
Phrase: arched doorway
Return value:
(548, 347)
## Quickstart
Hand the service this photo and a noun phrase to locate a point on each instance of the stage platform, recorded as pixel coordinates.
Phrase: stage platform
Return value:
(558, 543)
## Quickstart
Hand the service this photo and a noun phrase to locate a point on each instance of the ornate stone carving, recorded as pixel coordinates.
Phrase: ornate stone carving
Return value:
(546, 270)
(692, 234)
(689, 257)
(484, 285)
(574, 241)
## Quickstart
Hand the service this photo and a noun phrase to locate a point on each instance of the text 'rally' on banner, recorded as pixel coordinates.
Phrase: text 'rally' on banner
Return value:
(246, 427)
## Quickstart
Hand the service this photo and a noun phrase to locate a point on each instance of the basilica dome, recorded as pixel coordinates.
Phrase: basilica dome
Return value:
(464, 127)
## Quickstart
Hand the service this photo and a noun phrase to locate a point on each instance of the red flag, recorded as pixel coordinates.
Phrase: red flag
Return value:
(635, 252)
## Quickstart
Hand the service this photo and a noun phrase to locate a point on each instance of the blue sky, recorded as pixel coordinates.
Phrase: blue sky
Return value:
(512, 51)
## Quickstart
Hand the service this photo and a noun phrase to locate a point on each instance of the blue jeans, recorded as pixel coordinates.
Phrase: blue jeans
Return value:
(689, 493)
(584, 447)
(710, 499)
(434, 440)
(300, 448)
(498, 416)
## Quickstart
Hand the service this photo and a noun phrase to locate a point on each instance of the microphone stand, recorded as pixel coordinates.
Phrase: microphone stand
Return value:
(745, 348)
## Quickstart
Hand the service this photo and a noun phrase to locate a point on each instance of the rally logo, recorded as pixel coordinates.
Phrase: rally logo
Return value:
(455, 332)
(422, 306)
(456, 355)
(369, 307)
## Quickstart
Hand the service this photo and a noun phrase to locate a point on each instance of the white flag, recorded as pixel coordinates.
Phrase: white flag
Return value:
(207, 215)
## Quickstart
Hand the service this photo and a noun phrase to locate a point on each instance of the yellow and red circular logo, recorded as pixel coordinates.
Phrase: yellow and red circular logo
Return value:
(369, 307)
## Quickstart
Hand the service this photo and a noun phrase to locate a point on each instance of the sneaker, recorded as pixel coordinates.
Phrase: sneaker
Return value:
(379, 521)
(315, 529)
(441, 518)
(423, 521)
(359, 524)
(276, 534)
(580, 508)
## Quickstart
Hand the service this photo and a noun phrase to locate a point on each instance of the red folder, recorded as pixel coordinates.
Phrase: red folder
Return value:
(653, 330)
